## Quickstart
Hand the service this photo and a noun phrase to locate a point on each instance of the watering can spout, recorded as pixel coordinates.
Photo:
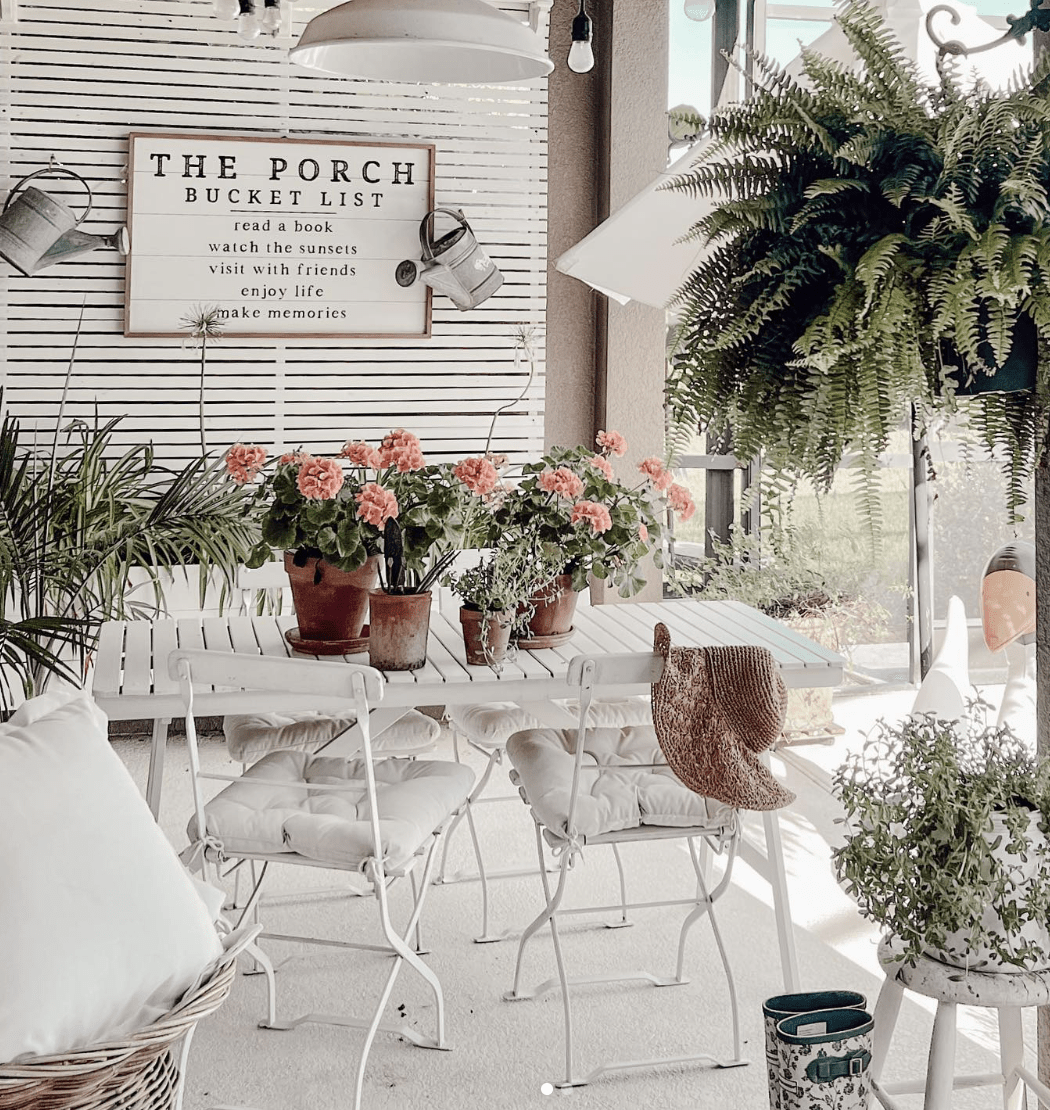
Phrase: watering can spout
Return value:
(74, 243)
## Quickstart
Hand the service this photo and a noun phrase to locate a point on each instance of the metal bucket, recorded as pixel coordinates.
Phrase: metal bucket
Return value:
(32, 222)
(456, 264)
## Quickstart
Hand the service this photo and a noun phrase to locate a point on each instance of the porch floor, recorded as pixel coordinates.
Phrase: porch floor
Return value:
(505, 1053)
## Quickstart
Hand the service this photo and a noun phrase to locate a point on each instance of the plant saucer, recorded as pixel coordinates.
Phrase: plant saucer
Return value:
(327, 647)
(554, 639)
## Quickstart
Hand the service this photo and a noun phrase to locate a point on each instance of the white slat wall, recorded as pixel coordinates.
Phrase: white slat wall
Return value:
(76, 78)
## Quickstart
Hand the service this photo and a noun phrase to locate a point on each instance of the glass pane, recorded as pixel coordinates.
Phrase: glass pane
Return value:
(689, 66)
(785, 37)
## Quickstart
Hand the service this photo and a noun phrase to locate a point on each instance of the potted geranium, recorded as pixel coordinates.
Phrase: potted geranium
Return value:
(869, 222)
(370, 517)
(591, 523)
(945, 842)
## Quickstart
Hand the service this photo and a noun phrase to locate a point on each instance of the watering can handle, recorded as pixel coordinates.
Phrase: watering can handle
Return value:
(53, 169)
(426, 243)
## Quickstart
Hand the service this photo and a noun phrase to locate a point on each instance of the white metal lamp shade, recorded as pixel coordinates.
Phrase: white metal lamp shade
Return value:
(429, 41)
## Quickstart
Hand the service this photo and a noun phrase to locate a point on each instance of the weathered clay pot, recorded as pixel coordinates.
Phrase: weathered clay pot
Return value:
(486, 635)
(555, 608)
(331, 604)
(398, 626)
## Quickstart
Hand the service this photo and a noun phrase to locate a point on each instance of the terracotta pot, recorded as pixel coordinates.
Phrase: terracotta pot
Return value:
(331, 604)
(486, 635)
(555, 608)
(397, 635)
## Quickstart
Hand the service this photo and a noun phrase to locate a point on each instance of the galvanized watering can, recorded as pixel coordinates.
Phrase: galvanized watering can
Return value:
(37, 231)
(455, 264)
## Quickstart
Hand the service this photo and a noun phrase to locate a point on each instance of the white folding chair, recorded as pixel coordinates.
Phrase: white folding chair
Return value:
(317, 811)
(591, 786)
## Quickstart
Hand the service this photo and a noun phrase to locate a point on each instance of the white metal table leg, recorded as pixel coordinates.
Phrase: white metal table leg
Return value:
(941, 1069)
(781, 905)
(1011, 1052)
(155, 778)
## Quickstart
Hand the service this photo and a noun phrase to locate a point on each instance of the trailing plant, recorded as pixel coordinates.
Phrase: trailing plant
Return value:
(506, 577)
(75, 518)
(921, 857)
(864, 218)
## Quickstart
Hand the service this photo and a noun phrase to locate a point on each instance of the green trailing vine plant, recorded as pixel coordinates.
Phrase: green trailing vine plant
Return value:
(864, 219)
(931, 808)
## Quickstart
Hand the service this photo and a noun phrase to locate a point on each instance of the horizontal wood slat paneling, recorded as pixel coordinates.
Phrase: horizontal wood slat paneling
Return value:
(76, 79)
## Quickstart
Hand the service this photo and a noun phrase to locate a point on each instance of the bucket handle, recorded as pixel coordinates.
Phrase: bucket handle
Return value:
(426, 242)
(56, 168)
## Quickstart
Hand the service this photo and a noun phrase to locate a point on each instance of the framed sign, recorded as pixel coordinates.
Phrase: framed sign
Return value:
(282, 237)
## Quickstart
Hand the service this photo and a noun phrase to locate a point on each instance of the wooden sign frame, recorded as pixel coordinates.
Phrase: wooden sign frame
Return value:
(326, 189)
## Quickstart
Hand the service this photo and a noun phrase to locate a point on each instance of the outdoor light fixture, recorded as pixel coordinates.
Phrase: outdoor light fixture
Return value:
(699, 10)
(254, 17)
(247, 24)
(426, 41)
(581, 55)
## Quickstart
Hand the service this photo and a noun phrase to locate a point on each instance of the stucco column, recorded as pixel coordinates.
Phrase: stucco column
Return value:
(631, 394)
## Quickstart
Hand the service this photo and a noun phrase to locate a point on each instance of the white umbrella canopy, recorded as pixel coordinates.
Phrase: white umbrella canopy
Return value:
(638, 253)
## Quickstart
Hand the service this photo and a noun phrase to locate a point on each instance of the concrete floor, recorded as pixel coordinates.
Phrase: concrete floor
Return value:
(508, 1054)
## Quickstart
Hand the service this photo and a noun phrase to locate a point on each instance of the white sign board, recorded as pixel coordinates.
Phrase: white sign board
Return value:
(283, 237)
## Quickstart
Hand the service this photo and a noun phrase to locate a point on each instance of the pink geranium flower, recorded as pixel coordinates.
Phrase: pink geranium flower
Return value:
(562, 481)
(612, 442)
(244, 461)
(401, 449)
(593, 513)
(295, 457)
(653, 468)
(643, 533)
(360, 454)
(681, 501)
(600, 462)
(319, 479)
(478, 475)
(376, 505)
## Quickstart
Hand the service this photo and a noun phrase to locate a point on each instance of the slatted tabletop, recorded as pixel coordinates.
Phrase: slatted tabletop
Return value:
(131, 679)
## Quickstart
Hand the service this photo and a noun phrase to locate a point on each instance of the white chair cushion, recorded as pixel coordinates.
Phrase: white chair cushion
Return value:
(415, 797)
(101, 930)
(491, 724)
(251, 736)
(609, 800)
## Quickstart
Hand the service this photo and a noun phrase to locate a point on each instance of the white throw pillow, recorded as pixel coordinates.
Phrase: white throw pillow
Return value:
(101, 930)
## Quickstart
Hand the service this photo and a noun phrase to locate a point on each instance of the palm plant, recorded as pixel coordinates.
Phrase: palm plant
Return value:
(866, 218)
(75, 519)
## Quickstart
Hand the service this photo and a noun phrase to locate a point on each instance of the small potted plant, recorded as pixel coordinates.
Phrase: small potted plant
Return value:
(945, 844)
(590, 522)
(497, 594)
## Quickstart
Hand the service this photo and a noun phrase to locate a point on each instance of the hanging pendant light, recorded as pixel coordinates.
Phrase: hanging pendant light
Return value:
(440, 41)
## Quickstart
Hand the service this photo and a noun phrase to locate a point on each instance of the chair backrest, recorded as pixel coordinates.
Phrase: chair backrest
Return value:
(270, 577)
(361, 687)
(615, 673)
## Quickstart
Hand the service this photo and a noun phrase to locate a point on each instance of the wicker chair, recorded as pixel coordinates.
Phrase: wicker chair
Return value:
(143, 1071)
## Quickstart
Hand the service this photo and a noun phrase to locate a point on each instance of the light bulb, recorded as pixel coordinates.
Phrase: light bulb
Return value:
(247, 26)
(581, 57)
(227, 9)
(699, 10)
(271, 17)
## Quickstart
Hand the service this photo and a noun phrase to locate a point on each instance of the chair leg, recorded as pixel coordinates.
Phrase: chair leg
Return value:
(1011, 1053)
(485, 936)
(565, 1001)
(623, 921)
(495, 757)
(941, 1068)
(781, 904)
(886, 1010)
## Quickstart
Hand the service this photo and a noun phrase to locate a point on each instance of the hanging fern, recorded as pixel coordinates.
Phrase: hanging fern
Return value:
(865, 217)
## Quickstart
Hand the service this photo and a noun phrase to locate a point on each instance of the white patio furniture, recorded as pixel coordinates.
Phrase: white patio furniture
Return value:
(323, 811)
(131, 681)
(1008, 994)
(591, 786)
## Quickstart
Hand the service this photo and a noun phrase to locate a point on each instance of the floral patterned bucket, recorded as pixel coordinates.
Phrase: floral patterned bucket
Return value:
(824, 1059)
(780, 1006)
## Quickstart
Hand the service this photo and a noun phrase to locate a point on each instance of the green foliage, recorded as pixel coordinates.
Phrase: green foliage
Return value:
(506, 577)
(615, 553)
(75, 519)
(863, 219)
(921, 850)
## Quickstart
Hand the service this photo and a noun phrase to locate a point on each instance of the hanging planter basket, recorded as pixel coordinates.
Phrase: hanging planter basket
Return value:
(1017, 373)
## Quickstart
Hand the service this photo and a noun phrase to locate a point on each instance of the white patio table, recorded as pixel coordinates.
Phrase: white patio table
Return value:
(131, 682)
